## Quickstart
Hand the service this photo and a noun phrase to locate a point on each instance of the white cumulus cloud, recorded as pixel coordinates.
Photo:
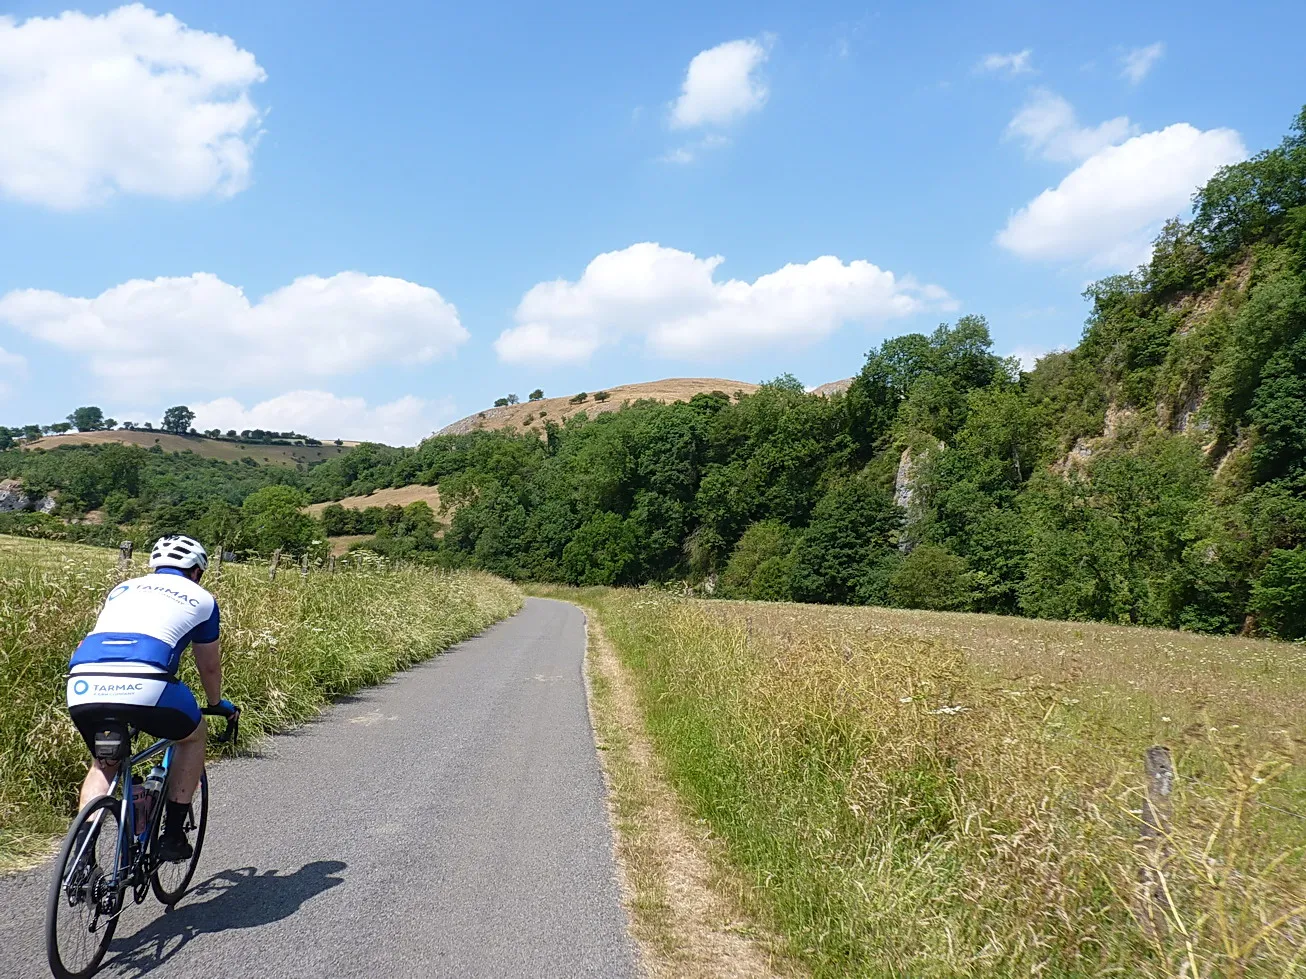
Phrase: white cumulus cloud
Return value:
(1018, 63)
(405, 421)
(1108, 209)
(1135, 64)
(721, 85)
(198, 332)
(1049, 128)
(12, 366)
(131, 102)
(672, 301)
(1030, 356)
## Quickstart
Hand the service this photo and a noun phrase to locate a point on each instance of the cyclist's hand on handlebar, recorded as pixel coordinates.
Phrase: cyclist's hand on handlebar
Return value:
(223, 708)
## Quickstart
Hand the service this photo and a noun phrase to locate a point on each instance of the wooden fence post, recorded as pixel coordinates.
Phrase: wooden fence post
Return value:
(276, 559)
(303, 564)
(331, 565)
(217, 564)
(125, 555)
(1158, 770)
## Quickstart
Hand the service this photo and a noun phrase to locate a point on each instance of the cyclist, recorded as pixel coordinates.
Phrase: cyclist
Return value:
(125, 674)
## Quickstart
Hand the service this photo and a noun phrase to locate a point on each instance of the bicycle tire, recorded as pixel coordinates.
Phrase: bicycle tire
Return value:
(170, 893)
(58, 900)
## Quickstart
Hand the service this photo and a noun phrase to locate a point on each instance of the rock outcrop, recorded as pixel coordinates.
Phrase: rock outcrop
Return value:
(14, 499)
(904, 490)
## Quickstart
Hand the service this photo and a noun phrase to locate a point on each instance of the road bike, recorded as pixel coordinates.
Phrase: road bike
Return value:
(111, 849)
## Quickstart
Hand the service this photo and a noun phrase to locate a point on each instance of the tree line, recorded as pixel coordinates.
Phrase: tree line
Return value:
(177, 420)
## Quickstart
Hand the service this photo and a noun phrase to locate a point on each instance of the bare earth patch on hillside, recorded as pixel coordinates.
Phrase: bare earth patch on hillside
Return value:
(399, 496)
(279, 455)
(514, 417)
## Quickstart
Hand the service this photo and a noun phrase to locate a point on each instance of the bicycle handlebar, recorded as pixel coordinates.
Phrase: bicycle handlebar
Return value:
(233, 722)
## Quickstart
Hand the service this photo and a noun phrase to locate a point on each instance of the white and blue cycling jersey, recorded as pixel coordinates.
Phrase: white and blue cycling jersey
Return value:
(149, 621)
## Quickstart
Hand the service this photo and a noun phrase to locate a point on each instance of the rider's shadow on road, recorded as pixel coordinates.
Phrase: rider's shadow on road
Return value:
(241, 898)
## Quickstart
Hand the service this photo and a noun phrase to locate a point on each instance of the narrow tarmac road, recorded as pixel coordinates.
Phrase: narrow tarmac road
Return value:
(450, 822)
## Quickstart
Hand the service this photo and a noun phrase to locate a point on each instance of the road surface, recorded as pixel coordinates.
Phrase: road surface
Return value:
(450, 822)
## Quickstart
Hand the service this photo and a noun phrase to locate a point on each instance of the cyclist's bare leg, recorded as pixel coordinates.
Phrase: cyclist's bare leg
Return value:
(188, 765)
(97, 781)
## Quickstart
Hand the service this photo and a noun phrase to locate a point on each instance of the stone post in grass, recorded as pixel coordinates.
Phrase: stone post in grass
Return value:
(272, 569)
(1152, 904)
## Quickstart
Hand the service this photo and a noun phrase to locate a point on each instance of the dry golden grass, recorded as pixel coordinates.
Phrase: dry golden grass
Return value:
(514, 417)
(280, 455)
(918, 794)
(401, 496)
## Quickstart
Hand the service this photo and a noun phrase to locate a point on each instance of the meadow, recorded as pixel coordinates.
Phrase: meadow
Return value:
(289, 647)
(905, 793)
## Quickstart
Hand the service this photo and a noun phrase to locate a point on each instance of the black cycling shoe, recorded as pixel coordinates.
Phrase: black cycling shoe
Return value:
(175, 849)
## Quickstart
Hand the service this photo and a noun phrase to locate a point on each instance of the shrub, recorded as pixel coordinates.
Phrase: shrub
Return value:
(1279, 594)
(930, 577)
(760, 565)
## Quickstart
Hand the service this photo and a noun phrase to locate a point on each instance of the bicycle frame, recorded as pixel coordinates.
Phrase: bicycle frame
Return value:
(123, 864)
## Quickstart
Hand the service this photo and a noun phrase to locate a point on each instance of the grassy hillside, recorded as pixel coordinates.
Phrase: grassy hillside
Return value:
(227, 451)
(289, 646)
(934, 794)
(531, 416)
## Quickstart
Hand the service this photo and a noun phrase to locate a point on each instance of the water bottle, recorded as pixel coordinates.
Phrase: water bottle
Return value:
(142, 806)
(145, 796)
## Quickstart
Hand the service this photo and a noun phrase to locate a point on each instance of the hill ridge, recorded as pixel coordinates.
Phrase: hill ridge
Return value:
(558, 409)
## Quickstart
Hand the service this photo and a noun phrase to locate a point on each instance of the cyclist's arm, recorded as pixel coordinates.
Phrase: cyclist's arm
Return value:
(208, 657)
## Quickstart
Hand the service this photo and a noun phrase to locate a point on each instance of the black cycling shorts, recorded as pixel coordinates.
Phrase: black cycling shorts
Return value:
(160, 722)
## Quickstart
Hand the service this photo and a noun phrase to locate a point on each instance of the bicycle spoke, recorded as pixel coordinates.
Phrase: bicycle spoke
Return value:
(83, 904)
(171, 879)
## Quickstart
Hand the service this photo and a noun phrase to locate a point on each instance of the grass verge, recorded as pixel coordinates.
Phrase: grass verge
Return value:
(915, 794)
(681, 895)
(289, 647)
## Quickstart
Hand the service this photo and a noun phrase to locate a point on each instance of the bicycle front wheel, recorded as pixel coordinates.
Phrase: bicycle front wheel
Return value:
(170, 880)
(81, 911)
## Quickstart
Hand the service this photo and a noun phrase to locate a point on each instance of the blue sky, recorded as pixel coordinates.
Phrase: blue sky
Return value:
(368, 220)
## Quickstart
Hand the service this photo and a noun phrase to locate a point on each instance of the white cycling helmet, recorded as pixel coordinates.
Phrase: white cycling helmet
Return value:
(178, 551)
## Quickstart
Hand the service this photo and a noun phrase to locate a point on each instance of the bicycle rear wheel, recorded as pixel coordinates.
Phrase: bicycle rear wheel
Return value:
(170, 880)
(81, 909)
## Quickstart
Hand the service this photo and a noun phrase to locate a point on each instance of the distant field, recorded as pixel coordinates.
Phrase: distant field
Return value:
(559, 409)
(910, 793)
(281, 455)
(340, 545)
(402, 496)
